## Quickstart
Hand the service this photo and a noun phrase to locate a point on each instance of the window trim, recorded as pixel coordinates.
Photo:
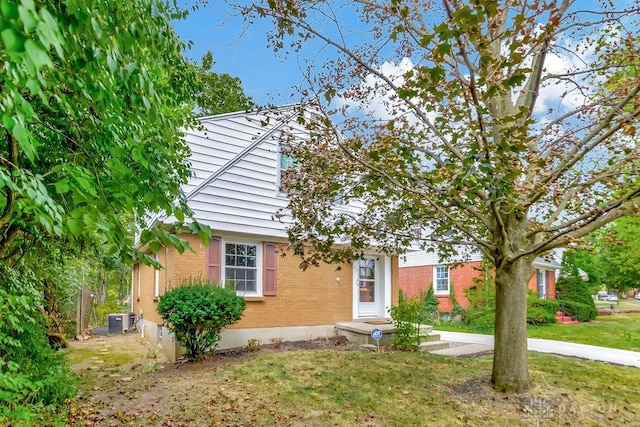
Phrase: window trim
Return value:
(258, 267)
(541, 279)
(138, 278)
(435, 280)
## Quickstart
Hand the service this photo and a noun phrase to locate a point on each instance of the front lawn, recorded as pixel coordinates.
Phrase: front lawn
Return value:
(621, 330)
(347, 387)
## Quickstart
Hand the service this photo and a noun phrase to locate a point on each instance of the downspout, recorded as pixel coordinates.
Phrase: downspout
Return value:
(133, 270)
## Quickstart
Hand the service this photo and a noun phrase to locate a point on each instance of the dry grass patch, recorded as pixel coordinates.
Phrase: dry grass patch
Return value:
(345, 387)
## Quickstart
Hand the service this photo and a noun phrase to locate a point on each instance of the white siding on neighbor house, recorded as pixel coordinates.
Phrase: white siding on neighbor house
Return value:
(420, 258)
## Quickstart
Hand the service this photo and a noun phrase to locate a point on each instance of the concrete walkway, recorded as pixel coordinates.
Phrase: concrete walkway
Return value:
(478, 343)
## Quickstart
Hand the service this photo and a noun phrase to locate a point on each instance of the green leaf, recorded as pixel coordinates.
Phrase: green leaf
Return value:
(37, 54)
(62, 186)
(13, 41)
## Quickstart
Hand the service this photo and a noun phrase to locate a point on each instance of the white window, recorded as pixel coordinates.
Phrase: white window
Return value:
(441, 279)
(242, 267)
(137, 270)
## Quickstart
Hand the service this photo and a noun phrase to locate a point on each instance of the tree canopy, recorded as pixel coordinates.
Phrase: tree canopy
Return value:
(219, 93)
(618, 253)
(508, 126)
(93, 99)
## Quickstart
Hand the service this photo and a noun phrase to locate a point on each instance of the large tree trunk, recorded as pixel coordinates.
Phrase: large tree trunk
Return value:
(510, 371)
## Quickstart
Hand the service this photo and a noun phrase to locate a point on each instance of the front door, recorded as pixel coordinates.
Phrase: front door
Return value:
(367, 283)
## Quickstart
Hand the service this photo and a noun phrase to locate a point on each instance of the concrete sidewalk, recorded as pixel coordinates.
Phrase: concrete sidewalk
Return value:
(478, 343)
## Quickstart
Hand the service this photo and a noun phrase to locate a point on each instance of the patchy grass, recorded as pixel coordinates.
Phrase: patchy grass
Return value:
(345, 387)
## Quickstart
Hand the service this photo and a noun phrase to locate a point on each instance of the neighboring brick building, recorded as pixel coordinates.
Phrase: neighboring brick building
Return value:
(237, 165)
(419, 270)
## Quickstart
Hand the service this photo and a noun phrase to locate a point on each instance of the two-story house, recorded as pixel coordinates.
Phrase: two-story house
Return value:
(237, 165)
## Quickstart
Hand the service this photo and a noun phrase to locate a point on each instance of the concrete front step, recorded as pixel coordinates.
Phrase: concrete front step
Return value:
(430, 337)
(429, 346)
(360, 332)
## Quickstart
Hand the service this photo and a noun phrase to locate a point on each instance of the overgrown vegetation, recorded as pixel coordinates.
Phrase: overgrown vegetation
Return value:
(345, 388)
(409, 315)
(197, 311)
(541, 311)
(481, 313)
(34, 378)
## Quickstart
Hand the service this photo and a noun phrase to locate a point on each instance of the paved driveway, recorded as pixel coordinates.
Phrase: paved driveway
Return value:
(591, 352)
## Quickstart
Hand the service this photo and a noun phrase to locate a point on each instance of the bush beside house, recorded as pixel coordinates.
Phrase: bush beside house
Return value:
(197, 312)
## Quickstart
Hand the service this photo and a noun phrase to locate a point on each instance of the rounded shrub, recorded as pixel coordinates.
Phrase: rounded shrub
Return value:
(197, 312)
(541, 311)
(580, 312)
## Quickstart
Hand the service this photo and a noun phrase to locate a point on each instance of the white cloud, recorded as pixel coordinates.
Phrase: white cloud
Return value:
(380, 101)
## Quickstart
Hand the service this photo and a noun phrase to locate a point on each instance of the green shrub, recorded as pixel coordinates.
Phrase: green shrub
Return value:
(578, 311)
(197, 312)
(481, 318)
(35, 380)
(458, 314)
(429, 311)
(571, 287)
(481, 314)
(541, 311)
(407, 317)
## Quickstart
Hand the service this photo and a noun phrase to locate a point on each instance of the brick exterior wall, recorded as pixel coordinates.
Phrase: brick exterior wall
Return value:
(416, 280)
(303, 298)
(533, 284)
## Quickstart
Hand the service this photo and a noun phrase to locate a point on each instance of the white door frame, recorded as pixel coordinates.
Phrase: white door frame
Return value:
(382, 289)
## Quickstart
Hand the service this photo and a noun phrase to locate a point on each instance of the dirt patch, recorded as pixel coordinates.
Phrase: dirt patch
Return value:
(128, 381)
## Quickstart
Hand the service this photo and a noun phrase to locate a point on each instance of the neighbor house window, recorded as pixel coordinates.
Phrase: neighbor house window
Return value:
(541, 282)
(241, 267)
(441, 279)
(137, 271)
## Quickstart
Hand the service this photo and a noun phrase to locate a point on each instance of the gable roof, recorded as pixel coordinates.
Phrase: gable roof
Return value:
(259, 140)
(234, 186)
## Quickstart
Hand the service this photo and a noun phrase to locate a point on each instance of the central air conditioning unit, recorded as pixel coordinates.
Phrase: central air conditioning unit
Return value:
(117, 323)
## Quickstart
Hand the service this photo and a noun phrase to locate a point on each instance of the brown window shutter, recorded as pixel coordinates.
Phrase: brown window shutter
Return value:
(213, 260)
(269, 269)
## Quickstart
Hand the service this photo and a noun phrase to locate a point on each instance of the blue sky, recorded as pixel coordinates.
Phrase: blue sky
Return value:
(241, 51)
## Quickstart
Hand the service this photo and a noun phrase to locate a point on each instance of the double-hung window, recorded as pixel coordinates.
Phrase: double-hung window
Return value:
(441, 279)
(241, 267)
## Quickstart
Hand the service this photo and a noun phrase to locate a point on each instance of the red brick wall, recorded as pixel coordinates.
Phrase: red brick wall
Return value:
(176, 269)
(415, 280)
(533, 283)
